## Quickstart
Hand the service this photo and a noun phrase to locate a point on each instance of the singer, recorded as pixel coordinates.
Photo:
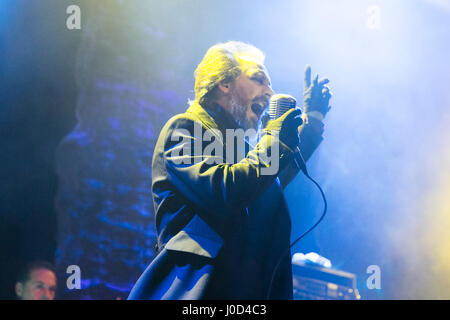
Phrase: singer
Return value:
(222, 225)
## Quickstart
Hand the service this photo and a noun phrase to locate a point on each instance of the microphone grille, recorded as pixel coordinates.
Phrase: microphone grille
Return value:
(279, 104)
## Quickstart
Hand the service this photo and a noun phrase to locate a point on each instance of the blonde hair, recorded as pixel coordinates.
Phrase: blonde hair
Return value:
(223, 62)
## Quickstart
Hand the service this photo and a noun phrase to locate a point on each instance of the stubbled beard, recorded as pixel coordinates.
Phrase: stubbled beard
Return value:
(239, 112)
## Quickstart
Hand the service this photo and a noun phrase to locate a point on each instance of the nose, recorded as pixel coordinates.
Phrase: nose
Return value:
(47, 295)
(268, 92)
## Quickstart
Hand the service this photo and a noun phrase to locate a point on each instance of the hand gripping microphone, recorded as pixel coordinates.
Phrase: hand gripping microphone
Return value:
(279, 105)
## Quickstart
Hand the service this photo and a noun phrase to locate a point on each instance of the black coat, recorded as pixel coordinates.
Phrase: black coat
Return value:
(222, 226)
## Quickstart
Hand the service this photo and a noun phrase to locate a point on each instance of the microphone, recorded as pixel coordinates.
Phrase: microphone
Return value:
(279, 104)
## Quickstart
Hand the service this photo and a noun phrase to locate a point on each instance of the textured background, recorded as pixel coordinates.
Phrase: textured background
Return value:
(82, 109)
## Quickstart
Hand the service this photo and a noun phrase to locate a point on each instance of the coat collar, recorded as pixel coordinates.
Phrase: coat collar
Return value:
(213, 116)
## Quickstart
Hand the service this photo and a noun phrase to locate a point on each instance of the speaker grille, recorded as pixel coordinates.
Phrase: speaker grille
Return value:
(280, 104)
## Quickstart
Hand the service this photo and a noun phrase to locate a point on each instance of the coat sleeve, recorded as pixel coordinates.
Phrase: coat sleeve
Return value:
(209, 181)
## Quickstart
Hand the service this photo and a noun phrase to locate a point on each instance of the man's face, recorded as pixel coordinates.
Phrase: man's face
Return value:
(250, 94)
(40, 286)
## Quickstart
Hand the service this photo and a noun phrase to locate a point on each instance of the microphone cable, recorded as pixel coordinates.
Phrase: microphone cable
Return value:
(303, 235)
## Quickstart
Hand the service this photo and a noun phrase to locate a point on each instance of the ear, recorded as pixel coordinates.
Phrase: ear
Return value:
(19, 289)
(224, 87)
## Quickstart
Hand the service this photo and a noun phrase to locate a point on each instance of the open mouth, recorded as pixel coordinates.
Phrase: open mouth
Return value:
(257, 109)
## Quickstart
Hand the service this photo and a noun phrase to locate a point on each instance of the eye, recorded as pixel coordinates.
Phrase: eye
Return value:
(258, 79)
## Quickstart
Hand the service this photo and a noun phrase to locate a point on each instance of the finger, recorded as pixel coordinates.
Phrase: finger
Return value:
(298, 121)
(297, 124)
(326, 89)
(295, 112)
(307, 81)
(316, 77)
(323, 81)
(291, 113)
(296, 116)
(327, 95)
